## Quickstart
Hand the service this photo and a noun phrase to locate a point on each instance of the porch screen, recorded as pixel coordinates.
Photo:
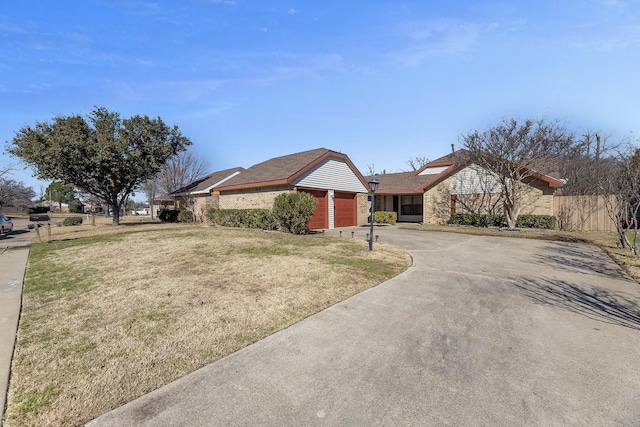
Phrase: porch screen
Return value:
(411, 205)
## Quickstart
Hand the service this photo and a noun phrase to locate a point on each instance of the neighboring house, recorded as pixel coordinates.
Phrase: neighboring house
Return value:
(197, 195)
(164, 201)
(453, 184)
(329, 176)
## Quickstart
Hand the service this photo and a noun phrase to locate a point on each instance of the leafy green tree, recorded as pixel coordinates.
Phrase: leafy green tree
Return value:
(293, 211)
(102, 155)
(60, 193)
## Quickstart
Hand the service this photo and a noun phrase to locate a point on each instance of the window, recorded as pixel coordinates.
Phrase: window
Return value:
(411, 205)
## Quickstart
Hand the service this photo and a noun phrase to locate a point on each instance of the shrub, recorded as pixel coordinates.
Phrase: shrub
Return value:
(524, 221)
(167, 215)
(185, 215)
(72, 220)
(477, 220)
(292, 211)
(243, 218)
(547, 222)
(383, 217)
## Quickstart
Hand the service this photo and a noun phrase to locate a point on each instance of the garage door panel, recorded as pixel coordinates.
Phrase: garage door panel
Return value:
(319, 219)
(345, 209)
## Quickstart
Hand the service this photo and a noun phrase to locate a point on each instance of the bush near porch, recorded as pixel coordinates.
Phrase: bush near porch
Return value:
(384, 217)
(524, 221)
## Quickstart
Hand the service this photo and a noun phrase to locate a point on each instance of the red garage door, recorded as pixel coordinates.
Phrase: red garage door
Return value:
(346, 211)
(319, 219)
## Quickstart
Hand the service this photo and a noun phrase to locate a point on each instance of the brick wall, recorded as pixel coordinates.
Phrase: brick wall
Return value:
(436, 203)
(256, 198)
(363, 208)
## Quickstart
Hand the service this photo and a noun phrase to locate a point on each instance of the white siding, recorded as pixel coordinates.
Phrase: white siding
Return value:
(332, 174)
(331, 207)
(434, 170)
(474, 180)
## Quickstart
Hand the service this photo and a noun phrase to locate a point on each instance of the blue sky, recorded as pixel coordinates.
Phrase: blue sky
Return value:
(382, 81)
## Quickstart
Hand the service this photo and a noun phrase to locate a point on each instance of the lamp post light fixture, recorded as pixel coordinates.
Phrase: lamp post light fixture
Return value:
(373, 185)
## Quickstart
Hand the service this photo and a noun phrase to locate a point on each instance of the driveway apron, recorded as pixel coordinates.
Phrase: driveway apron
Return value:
(479, 331)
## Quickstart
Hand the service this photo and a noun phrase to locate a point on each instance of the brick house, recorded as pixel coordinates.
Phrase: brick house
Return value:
(453, 184)
(197, 195)
(329, 176)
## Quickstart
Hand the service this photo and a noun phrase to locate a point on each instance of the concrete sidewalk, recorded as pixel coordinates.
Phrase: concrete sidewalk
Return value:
(14, 252)
(480, 331)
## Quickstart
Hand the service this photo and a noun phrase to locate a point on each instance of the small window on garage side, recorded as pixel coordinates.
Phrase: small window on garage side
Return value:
(411, 205)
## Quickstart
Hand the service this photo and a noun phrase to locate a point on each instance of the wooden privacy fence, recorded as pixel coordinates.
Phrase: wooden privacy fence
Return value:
(582, 213)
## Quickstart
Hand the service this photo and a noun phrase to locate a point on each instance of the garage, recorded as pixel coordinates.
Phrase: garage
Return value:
(319, 219)
(345, 209)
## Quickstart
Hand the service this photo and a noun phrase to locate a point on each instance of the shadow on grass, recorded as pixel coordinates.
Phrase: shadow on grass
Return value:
(595, 303)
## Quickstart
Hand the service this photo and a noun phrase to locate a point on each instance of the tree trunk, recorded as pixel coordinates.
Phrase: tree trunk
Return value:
(512, 215)
(116, 215)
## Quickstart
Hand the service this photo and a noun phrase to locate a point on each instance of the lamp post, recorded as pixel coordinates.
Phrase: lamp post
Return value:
(373, 185)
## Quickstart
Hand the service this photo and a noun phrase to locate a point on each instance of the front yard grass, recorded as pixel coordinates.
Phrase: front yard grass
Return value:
(112, 313)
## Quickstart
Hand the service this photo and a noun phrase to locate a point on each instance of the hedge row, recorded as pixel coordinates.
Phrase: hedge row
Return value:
(168, 215)
(524, 221)
(547, 222)
(243, 218)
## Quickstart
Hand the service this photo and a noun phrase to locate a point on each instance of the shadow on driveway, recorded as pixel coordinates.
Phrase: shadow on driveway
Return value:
(598, 304)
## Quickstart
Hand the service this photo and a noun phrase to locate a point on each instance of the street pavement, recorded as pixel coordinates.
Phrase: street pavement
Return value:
(479, 331)
(14, 251)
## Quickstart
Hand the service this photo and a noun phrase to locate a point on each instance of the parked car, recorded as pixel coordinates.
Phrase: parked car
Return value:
(6, 225)
(39, 218)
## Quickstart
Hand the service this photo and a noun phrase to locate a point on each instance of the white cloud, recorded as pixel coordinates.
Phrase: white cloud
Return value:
(430, 38)
(292, 11)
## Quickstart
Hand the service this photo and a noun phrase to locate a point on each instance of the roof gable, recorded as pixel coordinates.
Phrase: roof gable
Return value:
(206, 183)
(435, 172)
(332, 173)
(284, 170)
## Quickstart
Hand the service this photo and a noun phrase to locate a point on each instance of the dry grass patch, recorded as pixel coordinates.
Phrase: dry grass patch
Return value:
(111, 316)
(608, 242)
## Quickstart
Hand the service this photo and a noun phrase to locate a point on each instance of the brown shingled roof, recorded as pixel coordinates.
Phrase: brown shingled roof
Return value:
(402, 182)
(280, 170)
(202, 184)
(449, 159)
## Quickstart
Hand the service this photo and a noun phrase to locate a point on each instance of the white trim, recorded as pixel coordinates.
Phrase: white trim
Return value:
(209, 188)
(331, 206)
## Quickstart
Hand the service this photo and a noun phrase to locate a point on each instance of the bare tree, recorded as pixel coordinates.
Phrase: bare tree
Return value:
(512, 152)
(417, 162)
(13, 192)
(578, 168)
(150, 189)
(371, 170)
(180, 170)
(478, 192)
(618, 179)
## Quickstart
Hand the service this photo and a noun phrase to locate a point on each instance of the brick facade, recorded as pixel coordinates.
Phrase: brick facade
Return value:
(436, 204)
(363, 208)
(255, 198)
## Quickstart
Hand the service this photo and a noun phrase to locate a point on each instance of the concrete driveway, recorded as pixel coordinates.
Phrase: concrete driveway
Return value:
(481, 331)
